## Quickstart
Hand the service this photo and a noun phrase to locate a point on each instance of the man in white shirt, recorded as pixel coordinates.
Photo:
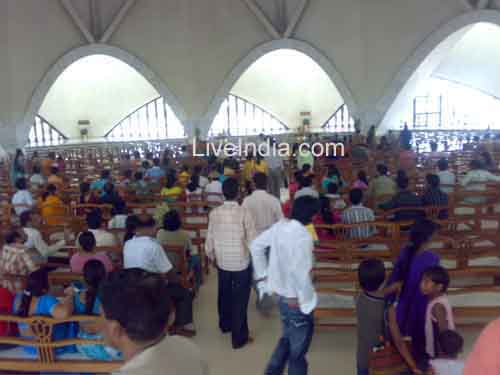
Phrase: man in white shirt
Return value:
(288, 274)
(145, 252)
(447, 179)
(264, 207)
(135, 320)
(22, 200)
(35, 240)
(476, 178)
(213, 190)
(306, 189)
(230, 230)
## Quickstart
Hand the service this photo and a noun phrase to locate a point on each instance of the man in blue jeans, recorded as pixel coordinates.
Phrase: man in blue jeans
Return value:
(287, 273)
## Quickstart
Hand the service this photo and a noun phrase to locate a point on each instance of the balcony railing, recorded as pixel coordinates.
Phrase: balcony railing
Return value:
(43, 133)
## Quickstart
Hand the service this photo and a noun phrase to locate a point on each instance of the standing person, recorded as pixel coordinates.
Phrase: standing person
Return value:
(405, 137)
(17, 169)
(288, 274)
(230, 230)
(37, 180)
(22, 200)
(48, 163)
(305, 156)
(275, 165)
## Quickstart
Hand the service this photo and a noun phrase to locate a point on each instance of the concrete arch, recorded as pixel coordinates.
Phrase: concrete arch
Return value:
(319, 57)
(424, 51)
(76, 54)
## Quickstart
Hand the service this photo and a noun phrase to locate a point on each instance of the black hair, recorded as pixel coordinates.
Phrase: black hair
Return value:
(84, 187)
(439, 276)
(172, 221)
(131, 225)
(146, 296)
(21, 183)
(194, 183)
(260, 180)
(145, 164)
(87, 241)
(25, 218)
(11, 236)
(432, 180)
(170, 181)
(362, 177)
(36, 169)
(442, 164)
(156, 162)
(230, 188)
(382, 169)
(54, 170)
(105, 173)
(94, 219)
(304, 209)
(401, 173)
(451, 343)
(306, 181)
(402, 182)
(51, 189)
(356, 196)
(138, 176)
(127, 173)
(306, 168)
(332, 188)
(94, 273)
(36, 286)
(325, 210)
(334, 171)
(298, 177)
(119, 208)
(371, 274)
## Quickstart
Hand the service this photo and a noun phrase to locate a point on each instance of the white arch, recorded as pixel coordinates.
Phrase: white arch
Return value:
(320, 58)
(96, 49)
(425, 49)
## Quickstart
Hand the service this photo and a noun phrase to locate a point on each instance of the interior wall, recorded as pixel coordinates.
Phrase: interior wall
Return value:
(98, 88)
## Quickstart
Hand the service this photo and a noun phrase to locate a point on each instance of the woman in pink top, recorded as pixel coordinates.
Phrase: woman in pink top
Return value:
(485, 357)
(439, 315)
(87, 244)
(361, 182)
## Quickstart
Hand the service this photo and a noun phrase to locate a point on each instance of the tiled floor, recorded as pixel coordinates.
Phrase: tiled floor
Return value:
(332, 351)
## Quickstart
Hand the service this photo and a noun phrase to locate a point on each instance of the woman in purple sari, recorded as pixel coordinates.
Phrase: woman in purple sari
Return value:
(412, 262)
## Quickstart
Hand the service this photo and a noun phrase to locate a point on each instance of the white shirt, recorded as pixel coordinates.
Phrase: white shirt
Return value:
(103, 238)
(22, 197)
(118, 222)
(265, 209)
(447, 366)
(214, 187)
(475, 179)
(203, 181)
(35, 241)
(288, 271)
(37, 179)
(306, 191)
(146, 253)
(446, 178)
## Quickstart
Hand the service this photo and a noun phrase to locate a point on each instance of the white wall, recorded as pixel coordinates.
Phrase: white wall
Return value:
(98, 88)
(286, 82)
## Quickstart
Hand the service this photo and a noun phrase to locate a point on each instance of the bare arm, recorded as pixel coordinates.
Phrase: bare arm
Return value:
(64, 309)
(439, 312)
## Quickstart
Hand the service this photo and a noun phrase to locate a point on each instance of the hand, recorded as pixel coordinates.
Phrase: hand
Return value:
(416, 371)
(69, 291)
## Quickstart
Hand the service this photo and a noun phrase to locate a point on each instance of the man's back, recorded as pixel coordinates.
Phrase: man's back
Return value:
(145, 253)
(382, 185)
(264, 208)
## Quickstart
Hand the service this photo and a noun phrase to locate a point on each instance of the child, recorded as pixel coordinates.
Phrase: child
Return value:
(333, 194)
(361, 182)
(371, 312)
(333, 176)
(171, 192)
(451, 344)
(439, 315)
(87, 243)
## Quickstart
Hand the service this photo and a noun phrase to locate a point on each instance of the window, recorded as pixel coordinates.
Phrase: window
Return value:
(154, 120)
(42, 133)
(340, 121)
(427, 112)
(238, 117)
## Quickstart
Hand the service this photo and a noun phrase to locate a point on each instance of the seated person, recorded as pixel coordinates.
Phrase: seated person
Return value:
(37, 180)
(140, 187)
(184, 176)
(172, 235)
(404, 198)
(102, 237)
(54, 179)
(325, 217)
(382, 185)
(52, 208)
(139, 330)
(194, 194)
(213, 190)
(171, 192)
(361, 182)
(87, 247)
(35, 301)
(22, 199)
(407, 158)
(119, 216)
(337, 202)
(476, 179)
(126, 180)
(87, 302)
(433, 196)
(333, 177)
(306, 189)
(110, 196)
(447, 179)
(35, 241)
(155, 173)
(357, 213)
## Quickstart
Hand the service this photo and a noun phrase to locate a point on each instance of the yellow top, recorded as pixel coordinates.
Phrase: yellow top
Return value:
(171, 193)
(312, 231)
(53, 210)
(261, 167)
(248, 169)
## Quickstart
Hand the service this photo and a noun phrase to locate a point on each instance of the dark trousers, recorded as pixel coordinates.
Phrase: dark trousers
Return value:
(183, 302)
(293, 346)
(234, 294)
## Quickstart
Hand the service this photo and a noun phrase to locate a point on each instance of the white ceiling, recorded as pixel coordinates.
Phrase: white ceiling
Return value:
(286, 82)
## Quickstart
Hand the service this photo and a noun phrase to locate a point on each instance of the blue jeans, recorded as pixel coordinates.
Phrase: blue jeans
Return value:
(298, 330)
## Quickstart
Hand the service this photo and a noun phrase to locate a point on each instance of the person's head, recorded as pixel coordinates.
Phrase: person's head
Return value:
(54, 170)
(401, 173)
(371, 274)
(402, 182)
(356, 196)
(442, 164)
(435, 281)
(37, 285)
(304, 209)
(170, 182)
(185, 168)
(333, 171)
(21, 183)
(363, 177)
(94, 219)
(172, 221)
(19, 153)
(434, 146)
(25, 218)
(137, 155)
(306, 181)
(306, 168)
(94, 273)
(332, 188)
(194, 183)
(105, 174)
(36, 169)
(87, 241)
(230, 189)
(138, 176)
(298, 177)
(13, 237)
(260, 180)
(475, 164)
(382, 169)
(432, 181)
(51, 190)
(145, 164)
(119, 208)
(139, 226)
(450, 343)
(144, 321)
(127, 174)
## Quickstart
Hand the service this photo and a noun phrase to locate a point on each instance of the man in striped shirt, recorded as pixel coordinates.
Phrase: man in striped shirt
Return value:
(231, 228)
(357, 213)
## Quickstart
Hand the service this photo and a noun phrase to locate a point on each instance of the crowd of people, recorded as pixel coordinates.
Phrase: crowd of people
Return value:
(254, 240)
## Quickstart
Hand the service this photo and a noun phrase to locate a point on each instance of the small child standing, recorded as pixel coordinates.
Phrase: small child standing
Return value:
(451, 344)
(439, 315)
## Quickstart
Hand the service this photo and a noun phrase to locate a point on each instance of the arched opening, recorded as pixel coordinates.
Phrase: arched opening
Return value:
(101, 93)
(296, 88)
